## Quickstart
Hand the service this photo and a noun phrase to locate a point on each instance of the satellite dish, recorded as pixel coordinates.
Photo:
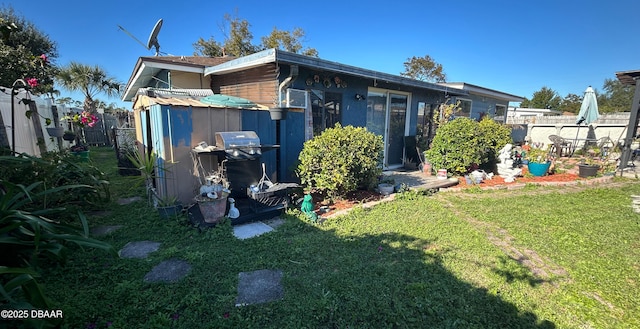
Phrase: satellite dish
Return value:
(153, 37)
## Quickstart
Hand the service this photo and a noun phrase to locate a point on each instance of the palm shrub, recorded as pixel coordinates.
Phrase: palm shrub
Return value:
(341, 160)
(463, 142)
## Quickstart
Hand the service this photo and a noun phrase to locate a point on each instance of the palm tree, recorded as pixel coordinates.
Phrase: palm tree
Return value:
(90, 80)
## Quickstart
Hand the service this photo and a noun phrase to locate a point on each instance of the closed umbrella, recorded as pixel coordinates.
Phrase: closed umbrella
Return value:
(588, 110)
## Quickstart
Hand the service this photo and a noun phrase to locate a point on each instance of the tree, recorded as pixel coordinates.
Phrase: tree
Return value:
(545, 98)
(209, 48)
(90, 80)
(287, 40)
(424, 68)
(25, 52)
(571, 103)
(617, 97)
(238, 41)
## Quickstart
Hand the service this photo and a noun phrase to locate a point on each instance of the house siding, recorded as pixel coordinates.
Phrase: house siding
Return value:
(259, 85)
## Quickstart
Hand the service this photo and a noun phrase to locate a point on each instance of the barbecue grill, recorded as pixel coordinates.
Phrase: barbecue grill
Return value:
(241, 152)
(239, 145)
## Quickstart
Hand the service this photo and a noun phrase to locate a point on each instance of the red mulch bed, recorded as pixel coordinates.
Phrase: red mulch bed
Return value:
(497, 180)
(352, 199)
(361, 196)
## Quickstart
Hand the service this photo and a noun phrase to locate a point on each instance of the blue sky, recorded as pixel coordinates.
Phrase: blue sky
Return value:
(512, 46)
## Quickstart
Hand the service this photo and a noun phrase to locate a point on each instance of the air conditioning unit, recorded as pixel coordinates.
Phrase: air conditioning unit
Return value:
(294, 98)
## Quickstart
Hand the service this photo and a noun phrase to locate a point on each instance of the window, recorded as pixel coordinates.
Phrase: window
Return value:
(464, 109)
(326, 109)
(501, 111)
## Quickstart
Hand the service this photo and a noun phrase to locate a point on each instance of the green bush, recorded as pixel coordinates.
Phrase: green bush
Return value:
(341, 160)
(494, 137)
(463, 142)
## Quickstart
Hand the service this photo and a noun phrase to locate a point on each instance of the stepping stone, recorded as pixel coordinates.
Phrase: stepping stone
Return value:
(169, 271)
(125, 201)
(138, 249)
(260, 286)
(251, 230)
(104, 229)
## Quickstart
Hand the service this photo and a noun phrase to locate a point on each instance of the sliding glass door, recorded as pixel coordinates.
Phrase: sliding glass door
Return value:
(387, 116)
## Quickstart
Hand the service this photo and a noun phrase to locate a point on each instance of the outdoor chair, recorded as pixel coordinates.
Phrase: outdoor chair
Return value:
(560, 146)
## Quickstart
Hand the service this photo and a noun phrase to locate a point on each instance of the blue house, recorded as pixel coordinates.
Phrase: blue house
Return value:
(316, 94)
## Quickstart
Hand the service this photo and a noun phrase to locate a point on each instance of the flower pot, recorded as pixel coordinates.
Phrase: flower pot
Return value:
(538, 169)
(278, 113)
(68, 137)
(169, 211)
(213, 210)
(585, 170)
(385, 188)
(83, 155)
(55, 131)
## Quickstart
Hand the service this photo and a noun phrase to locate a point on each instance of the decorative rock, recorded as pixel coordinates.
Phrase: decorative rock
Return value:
(138, 249)
(171, 270)
(260, 286)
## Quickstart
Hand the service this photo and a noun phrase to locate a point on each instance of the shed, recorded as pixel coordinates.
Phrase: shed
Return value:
(172, 123)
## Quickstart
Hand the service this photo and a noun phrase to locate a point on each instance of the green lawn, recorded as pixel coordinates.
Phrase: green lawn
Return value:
(533, 258)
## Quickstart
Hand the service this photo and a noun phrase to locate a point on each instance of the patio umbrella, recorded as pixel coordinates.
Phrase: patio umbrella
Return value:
(588, 110)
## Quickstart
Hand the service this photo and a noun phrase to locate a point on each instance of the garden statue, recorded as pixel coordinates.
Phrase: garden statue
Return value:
(307, 208)
(505, 167)
(233, 211)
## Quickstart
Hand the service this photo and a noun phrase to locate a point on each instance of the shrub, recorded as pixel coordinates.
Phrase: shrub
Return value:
(494, 137)
(341, 160)
(464, 142)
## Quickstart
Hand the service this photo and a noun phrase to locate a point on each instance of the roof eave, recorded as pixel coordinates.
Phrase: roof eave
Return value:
(478, 90)
(279, 56)
(145, 66)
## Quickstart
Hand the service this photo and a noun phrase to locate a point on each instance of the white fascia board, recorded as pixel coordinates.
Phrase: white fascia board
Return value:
(249, 61)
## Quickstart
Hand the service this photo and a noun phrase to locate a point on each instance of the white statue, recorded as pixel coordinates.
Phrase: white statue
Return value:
(505, 154)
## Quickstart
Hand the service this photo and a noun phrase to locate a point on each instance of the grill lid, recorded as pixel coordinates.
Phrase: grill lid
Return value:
(239, 144)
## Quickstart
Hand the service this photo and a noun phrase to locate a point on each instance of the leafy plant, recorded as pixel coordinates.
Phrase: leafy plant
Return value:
(494, 137)
(538, 155)
(29, 232)
(341, 160)
(456, 146)
(56, 169)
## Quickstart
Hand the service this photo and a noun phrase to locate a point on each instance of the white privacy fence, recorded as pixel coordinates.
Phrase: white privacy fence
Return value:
(538, 129)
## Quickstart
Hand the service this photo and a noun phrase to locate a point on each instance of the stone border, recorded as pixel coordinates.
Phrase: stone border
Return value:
(514, 186)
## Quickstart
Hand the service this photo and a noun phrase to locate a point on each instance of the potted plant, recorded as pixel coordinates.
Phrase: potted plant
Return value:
(81, 151)
(69, 135)
(590, 163)
(55, 131)
(538, 161)
(168, 207)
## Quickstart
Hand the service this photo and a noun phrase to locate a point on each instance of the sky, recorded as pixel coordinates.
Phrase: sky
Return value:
(516, 47)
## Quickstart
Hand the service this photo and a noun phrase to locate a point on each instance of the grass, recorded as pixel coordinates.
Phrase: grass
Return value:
(535, 258)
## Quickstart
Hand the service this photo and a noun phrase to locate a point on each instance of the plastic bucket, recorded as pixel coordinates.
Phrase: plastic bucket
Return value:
(538, 169)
